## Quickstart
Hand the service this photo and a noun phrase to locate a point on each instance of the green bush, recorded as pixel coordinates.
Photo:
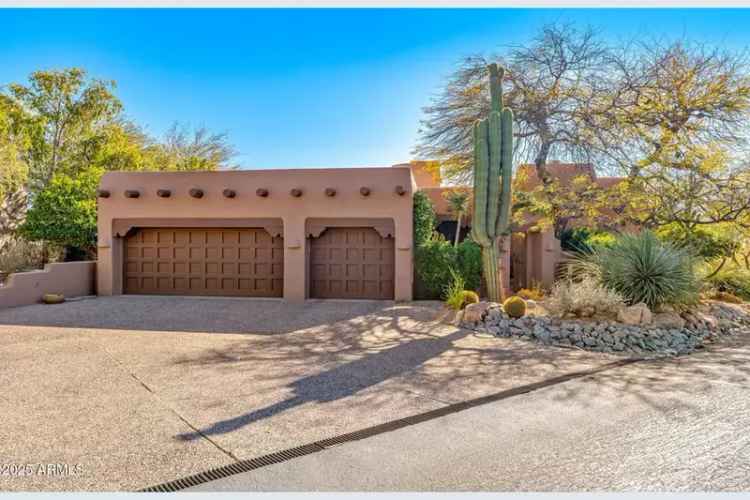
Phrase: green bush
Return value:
(64, 213)
(643, 268)
(584, 240)
(574, 239)
(469, 263)
(435, 260)
(424, 219)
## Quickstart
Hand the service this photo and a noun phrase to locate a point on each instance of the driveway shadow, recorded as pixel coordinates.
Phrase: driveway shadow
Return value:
(343, 380)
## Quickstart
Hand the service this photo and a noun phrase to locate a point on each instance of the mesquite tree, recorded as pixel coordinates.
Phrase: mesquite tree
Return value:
(493, 168)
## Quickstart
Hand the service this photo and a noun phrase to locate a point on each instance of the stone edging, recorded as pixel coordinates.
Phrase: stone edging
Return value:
(613, 337)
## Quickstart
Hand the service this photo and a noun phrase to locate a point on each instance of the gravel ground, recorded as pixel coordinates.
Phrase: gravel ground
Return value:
(141, 390)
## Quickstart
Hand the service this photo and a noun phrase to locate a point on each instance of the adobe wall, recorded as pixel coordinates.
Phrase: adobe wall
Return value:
(72, 279)
(390, 197)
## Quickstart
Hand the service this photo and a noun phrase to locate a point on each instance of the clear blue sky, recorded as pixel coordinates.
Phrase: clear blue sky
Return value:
(299, 88)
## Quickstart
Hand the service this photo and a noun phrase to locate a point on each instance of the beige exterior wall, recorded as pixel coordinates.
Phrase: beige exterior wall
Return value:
(72, 279)
(383, 202)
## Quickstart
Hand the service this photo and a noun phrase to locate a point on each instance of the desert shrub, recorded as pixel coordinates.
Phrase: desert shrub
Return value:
(454, 292)
(643, 268)
(730, 279)
(469, 263)
(435, 260)
(456, 296)
(515, 307)
(534, 293)
(582, 299)
(725, 297)
(424, 219)
(17, 255)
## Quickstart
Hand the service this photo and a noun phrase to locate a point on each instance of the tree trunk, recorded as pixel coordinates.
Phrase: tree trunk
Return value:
(458, 229)
(716, 271)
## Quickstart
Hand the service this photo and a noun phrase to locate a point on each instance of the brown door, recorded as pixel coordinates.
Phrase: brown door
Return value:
(240, 262)
(351, 263)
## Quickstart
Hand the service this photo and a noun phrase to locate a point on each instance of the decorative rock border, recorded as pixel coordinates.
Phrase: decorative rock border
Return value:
(609, 336)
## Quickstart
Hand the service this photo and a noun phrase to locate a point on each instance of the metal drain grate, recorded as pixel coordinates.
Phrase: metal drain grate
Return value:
(300, 451)
(235, 468)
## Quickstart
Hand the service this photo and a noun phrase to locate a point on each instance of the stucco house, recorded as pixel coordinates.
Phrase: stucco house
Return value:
(296, 234)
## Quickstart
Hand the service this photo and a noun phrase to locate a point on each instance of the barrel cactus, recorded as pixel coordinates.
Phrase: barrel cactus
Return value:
(493, 156)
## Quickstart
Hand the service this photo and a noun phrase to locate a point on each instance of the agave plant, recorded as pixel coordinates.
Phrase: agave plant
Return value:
(642, 268)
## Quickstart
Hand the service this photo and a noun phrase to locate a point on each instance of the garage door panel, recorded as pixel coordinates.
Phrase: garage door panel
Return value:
(354, 263)
(247, 262)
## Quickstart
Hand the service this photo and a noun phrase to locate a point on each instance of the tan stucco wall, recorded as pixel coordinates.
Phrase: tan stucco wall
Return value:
(383, 202)
(72, 279)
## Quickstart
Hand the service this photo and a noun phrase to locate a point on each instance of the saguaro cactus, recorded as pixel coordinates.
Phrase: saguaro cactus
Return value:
(493, 155)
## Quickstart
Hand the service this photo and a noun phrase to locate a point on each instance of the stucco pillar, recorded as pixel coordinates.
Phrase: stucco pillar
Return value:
(295, 251)
(105, 268)
(404, 262)
(551, 256)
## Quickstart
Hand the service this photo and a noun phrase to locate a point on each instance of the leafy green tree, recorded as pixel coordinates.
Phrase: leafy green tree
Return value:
(64, 114)
(59, 132)
(64, 212)
(675, 124)
(13, 173)
(185, 148)
(458, 201)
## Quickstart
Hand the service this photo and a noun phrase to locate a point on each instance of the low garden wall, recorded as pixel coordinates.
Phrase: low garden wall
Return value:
(72, 279)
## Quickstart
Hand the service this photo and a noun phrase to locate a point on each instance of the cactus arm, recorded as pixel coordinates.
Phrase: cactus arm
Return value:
(493, 181)
(496, 87)
(503, 220)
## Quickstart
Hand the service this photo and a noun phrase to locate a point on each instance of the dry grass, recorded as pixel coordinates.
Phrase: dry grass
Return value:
(18, 255)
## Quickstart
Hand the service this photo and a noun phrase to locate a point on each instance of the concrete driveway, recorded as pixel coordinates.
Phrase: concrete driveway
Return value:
(126, 392)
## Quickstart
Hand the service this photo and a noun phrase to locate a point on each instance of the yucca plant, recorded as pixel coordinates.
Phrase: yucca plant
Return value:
(643, 268)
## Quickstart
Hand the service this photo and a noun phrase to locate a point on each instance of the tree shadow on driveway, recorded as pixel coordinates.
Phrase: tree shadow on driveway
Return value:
(343, 380)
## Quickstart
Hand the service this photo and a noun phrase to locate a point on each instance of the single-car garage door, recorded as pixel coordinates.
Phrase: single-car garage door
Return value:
(351, 263)
(241, 262)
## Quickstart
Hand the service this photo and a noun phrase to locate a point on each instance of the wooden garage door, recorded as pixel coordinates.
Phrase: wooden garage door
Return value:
(351, 263)
(243, 262)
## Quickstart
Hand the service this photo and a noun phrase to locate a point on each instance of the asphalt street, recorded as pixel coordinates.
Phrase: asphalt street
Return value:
(666, 425)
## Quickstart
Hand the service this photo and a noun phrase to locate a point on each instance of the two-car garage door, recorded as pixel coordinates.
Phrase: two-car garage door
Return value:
(225, 262)
(344, 262)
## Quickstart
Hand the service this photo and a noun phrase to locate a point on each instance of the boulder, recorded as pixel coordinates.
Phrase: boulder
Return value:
(667, 320)
(474, 313)
(638, 314)
(708, 320)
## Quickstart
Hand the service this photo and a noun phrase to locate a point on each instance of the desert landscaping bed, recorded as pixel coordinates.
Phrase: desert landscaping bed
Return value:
(658, 334)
